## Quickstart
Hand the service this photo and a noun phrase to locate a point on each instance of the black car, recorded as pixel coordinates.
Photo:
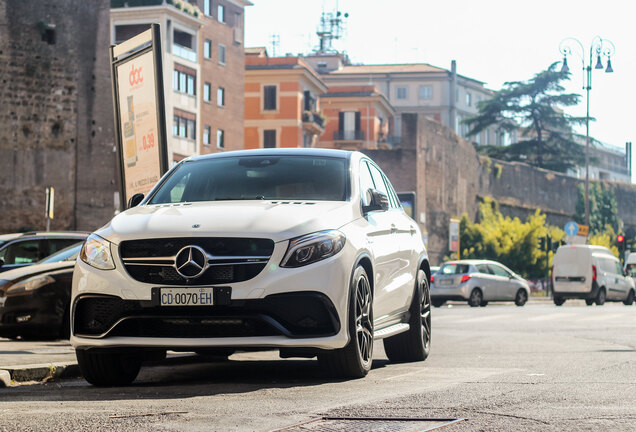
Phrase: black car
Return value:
(22, 249)
(34, 300)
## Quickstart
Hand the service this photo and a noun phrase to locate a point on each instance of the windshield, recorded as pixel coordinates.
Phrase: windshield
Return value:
(66, 254)
(256, 178)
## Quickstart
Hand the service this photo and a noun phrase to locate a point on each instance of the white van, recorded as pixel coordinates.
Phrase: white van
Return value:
(630, 265)
(591, 273)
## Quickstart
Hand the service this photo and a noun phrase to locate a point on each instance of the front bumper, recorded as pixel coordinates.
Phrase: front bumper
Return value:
(36, 313)
(281, 307)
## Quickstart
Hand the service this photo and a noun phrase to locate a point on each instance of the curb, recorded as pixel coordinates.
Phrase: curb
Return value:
(11, 376)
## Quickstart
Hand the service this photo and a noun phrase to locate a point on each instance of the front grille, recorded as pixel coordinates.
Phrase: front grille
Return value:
(230, 259)
(302, 314)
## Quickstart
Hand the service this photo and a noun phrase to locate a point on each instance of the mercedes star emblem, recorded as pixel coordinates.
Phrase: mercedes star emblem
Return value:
(191, 262)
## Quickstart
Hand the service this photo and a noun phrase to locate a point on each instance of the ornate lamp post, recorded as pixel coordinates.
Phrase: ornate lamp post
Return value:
(601, 48)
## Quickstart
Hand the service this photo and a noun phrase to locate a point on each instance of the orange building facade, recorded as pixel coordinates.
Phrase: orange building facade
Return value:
(282, 102)
(357, 117)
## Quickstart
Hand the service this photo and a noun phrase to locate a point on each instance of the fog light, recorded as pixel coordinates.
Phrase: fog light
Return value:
(22, 318)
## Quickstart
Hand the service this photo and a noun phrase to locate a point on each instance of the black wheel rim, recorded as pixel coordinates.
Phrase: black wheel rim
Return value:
(425, 311)
(522, 297)
(475, 297)
(364, 320)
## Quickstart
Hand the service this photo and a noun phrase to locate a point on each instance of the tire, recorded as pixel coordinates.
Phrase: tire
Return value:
(558, 301)
(630, 298)
(521, 297)
(438, 303)
(476, 297)
(600, 297)
(589, 302)
(414, 344)
(103, 368)
(354, 359)
(483, 304)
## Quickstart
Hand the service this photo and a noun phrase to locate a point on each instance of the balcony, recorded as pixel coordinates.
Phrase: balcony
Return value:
(184, 52)
(313, 122)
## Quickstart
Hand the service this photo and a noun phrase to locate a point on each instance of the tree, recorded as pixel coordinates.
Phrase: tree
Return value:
(603, 208)
(534, 108)
(507, 240)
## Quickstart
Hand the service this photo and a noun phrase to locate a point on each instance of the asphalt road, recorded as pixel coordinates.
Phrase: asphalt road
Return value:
(536, 368)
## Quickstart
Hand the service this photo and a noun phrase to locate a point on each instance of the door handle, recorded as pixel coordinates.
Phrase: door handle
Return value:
(393, 229)
(412, 230)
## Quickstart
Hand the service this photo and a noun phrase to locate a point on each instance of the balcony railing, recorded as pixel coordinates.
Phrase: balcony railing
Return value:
(348, 135)
(184, 52)
(313, 117)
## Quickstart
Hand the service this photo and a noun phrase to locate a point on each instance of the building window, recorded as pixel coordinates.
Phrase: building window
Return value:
(426, 92)
(469, 99)
(269, 98)
(207, 88)
(221, 54)
(269, 138)
(207, 49)
(401, 93)
(206, 134)
(220, 97)
(221, 13)
(184, 46)
(183, 127)
(184, 82)
(220, 138)
(207, 7)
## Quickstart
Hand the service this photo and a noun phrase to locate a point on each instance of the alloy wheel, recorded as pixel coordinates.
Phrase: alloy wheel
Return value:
(364, 320)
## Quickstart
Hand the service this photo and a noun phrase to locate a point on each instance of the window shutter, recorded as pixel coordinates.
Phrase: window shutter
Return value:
(341, 120)
(357, 120)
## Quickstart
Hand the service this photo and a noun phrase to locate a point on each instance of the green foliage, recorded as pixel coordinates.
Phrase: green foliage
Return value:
(603, 207)
(534, 108)
(607, 238)
(507, 240)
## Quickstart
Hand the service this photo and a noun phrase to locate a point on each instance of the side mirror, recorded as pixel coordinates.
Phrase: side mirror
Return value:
(135, 200)
(377, 201)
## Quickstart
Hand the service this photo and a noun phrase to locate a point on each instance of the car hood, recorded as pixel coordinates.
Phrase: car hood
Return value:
(26, 272)
(277, 220)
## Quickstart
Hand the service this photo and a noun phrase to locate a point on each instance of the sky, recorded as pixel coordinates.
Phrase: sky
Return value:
(493, 41)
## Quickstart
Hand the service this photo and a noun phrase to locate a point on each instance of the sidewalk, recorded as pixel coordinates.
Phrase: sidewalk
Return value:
(35, 361)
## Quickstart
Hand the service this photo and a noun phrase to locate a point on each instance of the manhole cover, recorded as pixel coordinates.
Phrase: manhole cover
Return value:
(370, 424)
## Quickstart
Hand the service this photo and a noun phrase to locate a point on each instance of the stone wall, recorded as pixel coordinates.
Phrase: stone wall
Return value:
(451, 179)
(56, 126)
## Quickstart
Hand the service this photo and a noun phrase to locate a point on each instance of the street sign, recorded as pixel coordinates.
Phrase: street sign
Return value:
(571, 228)
(584, 230)
(140, 126)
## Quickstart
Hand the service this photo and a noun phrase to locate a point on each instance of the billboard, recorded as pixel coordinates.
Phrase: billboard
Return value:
(139, 113)
(453, 236)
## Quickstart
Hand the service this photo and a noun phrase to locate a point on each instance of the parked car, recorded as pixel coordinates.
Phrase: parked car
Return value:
(35, 300)
(630, 265)
(478, 282)
(589, 272)
(303, 250)
(22, 249)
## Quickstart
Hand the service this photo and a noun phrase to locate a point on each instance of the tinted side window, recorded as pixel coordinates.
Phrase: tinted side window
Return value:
(378, 181)
(21, 252)
(483, 268)
(499, 271)
(55, 245)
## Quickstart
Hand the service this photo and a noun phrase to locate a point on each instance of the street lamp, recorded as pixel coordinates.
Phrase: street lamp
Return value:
(601, 48)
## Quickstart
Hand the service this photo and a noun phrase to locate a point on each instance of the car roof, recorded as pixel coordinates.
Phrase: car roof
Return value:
(320, 152)
(42, 234)
(473, 262)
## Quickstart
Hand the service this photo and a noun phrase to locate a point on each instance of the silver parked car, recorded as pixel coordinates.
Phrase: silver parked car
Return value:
(478, 282)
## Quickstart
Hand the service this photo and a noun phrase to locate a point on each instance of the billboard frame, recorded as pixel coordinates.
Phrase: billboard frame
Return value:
(147, 42)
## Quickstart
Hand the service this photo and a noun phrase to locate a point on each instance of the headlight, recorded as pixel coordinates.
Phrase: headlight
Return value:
(30, 284)
(96, 253)
(313, 247)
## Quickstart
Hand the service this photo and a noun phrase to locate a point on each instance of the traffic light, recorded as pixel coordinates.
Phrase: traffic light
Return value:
(548, 246)
(541, 243)
(621, 242)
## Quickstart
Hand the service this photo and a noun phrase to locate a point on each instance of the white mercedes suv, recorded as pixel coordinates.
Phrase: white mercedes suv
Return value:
(307, 251)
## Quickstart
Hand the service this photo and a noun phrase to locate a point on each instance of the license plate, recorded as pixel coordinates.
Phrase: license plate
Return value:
(186, 296)
(446, 282)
